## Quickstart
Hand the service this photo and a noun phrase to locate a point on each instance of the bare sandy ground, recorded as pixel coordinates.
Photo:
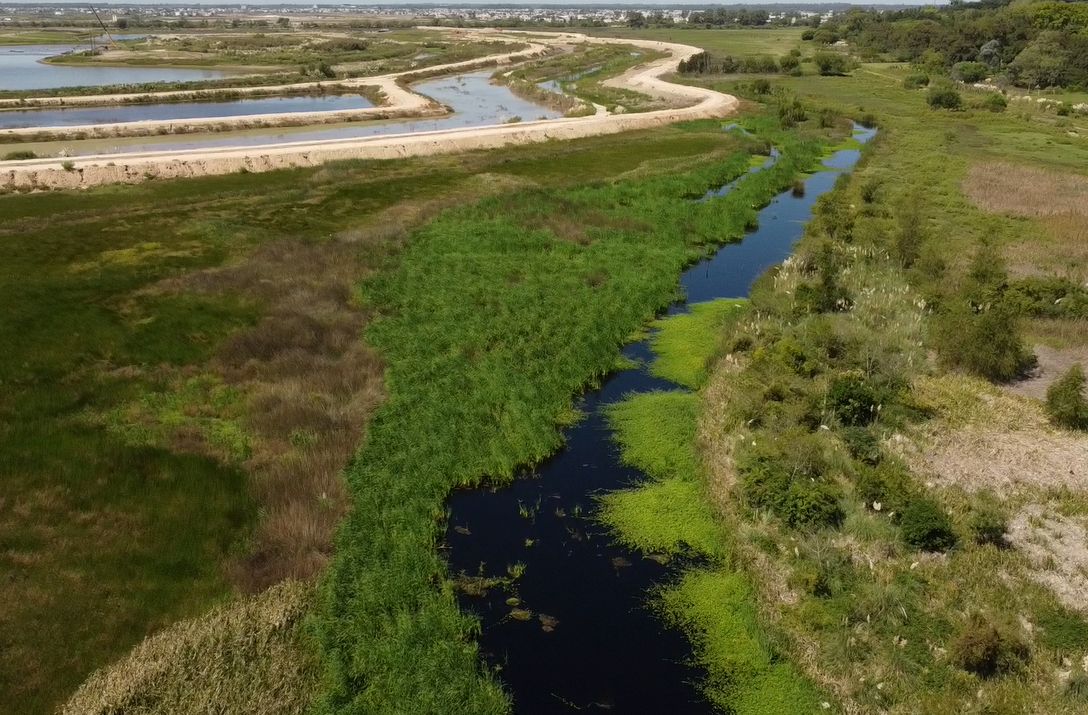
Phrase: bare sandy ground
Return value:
(95, 170)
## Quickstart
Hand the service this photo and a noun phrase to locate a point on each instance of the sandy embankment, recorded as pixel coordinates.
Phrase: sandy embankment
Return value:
(86, 171)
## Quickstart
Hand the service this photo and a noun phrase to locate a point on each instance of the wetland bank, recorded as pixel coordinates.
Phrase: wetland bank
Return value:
(440, 434)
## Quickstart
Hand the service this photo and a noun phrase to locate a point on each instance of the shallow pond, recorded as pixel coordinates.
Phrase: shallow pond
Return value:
(21, 68)
(474, 99)
(180, 110)
(605, 650)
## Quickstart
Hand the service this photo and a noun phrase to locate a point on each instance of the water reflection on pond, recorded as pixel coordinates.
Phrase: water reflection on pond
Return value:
(21, 68)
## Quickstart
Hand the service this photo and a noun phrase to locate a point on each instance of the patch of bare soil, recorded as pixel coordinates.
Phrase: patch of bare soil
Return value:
(1051, 364)
(1057, 548)
(986, 438)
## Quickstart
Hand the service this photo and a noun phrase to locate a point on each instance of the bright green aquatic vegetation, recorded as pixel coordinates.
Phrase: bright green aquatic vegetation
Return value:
(746, 676)
(686, 344)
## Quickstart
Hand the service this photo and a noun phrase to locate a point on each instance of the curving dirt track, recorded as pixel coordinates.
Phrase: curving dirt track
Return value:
(95, 170)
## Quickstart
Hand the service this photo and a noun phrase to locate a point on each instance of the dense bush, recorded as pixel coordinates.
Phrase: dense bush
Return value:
(761, 86)
(1066, 402)
(788, 63)
(19, 155)
(787, 478)
(944, 98)
(833, 63)
(994, 102)
(853, 400)
(808, 35)
(915, 80)
(985, 341)
(862, 445)
(1047, 297)
(926, 526)
(986, 650)
(706, 63)
(970, 72)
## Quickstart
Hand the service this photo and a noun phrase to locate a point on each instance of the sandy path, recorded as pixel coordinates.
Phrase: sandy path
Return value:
(86, 171)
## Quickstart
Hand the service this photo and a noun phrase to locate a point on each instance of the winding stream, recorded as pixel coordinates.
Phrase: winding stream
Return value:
(592, 643)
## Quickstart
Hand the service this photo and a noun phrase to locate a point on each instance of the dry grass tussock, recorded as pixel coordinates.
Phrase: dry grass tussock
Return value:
(1056, 547)
(986, 438)
(248, 656)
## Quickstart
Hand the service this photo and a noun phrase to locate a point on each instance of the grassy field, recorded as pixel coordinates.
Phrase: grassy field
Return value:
(45, 37)
(163, 355)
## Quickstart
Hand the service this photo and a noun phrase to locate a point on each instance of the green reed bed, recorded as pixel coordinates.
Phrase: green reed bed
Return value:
(493, 317)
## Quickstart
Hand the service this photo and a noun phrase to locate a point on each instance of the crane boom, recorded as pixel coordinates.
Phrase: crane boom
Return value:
(104, 29)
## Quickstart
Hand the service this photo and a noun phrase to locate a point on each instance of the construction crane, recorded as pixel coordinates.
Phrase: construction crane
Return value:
(104, 28)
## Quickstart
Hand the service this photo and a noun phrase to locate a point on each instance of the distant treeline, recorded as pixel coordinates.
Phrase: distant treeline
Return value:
(1034, 44)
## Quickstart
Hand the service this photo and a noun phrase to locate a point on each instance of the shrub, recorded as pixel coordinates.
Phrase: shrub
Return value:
(786, 478)
(986, 650)
(988, 525)
(887, 484)
(853, 400)
(827, 294)
(812, 504)
(1065, 400)
(808, 35)
(761, 86)
(926, 526)
(916, 80)
(944, 98)
(970, 72)
(827, 118)
(68, 165)
(19, 155)
(833, 63)
(862, 445)
(789, 62)
(994, 102)
(984, 341)
(791, 113)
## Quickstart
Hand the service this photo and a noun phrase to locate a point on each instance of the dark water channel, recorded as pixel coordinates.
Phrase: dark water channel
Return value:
(605, 650)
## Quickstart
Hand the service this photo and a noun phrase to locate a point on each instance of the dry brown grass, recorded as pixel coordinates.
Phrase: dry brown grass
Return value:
(1058, 200)
(1016, 190)
(310, 385)
(249, 656)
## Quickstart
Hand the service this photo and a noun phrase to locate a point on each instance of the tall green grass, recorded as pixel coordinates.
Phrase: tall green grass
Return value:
(493, 317)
